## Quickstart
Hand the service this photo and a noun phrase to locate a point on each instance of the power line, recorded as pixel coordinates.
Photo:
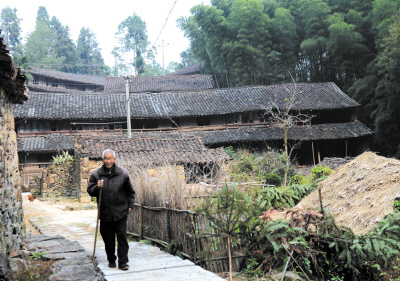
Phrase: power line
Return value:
(166, 20)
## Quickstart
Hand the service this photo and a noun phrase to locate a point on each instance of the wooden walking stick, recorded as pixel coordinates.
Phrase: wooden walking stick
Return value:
(97, 225)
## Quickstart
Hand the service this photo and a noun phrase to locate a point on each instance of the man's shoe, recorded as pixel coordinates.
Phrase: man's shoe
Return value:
(124, 266)
(112, 265)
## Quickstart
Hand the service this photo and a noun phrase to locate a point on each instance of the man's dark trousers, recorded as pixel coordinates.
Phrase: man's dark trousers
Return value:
(108, 230)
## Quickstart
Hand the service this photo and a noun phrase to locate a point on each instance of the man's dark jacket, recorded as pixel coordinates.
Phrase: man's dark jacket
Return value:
(117, 194)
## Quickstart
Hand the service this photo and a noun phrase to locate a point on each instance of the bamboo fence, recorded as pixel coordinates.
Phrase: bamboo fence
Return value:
(197, 239)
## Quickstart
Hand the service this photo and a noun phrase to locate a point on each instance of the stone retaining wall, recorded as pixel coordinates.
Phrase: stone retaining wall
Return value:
(87, 167)
(12, 226)
(56, 181)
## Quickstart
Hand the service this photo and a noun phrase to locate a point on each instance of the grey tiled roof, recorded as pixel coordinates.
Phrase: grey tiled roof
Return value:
(156, 84)
(84, 79)
(41, 88)
(48, 143)
(258, 133)
(297, 133)
(92, 106)
(187, 141)
(154, 150)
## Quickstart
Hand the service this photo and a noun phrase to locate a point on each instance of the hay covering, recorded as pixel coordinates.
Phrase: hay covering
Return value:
(359, 194)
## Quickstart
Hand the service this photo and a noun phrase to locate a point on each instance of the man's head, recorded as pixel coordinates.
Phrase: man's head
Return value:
(109, 158)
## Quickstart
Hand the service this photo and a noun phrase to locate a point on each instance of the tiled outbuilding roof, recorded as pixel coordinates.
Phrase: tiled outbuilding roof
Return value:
(156, 84)
(73, 77)
(41, 88)
(92, 106)
(154, 150)
(190, 70)
(258, 133)
(48, 143)
(11, 78)
(187, 141)
(296, 133)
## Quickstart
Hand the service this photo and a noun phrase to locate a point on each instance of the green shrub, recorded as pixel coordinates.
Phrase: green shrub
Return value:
(273, 179)
(247, 166)
(298, 179)
(318, 172)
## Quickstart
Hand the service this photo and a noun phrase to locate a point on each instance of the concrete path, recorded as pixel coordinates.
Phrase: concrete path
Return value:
(146, 262)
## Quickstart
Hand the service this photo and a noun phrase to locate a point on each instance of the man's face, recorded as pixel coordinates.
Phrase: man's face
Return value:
(109, 159)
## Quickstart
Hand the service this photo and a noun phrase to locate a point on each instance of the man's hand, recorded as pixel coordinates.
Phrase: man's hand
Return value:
(100, 183)
(130, 210)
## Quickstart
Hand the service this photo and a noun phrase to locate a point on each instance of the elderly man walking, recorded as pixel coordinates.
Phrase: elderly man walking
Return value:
(117, 200)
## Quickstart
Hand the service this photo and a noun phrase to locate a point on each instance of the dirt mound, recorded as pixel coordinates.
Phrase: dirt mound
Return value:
(361, 193)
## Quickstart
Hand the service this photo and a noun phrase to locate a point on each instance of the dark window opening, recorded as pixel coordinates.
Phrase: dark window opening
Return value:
(41, 125)
(236, 118)
(150, 124)
(203, 121)
(53, 126)
(176, 122)
(245, 118)
(136, 124)
(21, 127)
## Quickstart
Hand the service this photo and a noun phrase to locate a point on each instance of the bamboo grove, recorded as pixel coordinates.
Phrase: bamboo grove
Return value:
(352, 43)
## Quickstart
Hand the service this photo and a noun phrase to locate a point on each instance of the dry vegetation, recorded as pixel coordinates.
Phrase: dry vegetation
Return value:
(166, 185)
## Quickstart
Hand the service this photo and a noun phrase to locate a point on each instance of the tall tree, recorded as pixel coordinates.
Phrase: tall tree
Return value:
(43, 15)
(132, 49)
(38, 47)
(9, 23)
(188, 58)
(90, 60)
(284, 54)
(63, 46)
(251, 28)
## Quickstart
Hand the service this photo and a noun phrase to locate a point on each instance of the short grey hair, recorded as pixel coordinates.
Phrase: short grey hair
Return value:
(108, 150)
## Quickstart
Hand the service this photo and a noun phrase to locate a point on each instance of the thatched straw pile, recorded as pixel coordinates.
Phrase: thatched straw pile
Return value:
(360, 193)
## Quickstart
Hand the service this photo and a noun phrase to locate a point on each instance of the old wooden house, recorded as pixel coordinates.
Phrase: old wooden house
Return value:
(221, 117)
(45, 80)
(187, 156)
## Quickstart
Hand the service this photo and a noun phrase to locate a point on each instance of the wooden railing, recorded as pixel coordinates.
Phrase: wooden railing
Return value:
(196, 238)
(26, 175)
(124, 131)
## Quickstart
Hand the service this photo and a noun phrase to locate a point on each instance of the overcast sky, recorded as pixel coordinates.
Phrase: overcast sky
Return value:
(104, 17)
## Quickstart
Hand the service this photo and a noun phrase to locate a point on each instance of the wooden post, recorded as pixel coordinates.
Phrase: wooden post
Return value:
(198, 242)
(168, 224)
(319, 155)
(313, 157)
(320, 201)
(141, 221)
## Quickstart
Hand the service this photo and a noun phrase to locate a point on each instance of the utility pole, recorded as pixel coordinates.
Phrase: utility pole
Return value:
(163, 55)
(128, 108)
